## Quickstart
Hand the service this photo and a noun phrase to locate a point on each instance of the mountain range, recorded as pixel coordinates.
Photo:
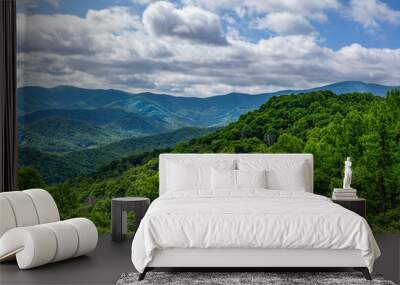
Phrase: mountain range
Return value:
(344, 87)
(172, 111)
(66, 118)
(168, 108)
(87, 128)
(331, 127)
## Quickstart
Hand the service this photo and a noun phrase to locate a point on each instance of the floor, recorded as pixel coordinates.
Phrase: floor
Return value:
(110, 260)
(389, 262)
(104, 266)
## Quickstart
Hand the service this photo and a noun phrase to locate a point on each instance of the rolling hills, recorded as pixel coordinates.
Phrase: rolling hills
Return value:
(331, 127)
(59, 135)
(65, 119)
(91, 159)
(56, 168)
(66, 130)
(115, 118)
(177, 111)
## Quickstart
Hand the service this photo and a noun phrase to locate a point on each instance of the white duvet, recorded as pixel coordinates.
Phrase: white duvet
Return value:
(250, 219)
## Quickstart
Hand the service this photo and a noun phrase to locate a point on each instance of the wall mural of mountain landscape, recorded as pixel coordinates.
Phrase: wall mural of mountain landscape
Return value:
(98, 100)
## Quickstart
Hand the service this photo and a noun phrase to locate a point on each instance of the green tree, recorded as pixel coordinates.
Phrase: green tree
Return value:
(288, 143)
(29, 177)
(245, 131)
(270, 136)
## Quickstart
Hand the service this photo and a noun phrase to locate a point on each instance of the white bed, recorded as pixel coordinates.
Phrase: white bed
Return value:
(280, 225)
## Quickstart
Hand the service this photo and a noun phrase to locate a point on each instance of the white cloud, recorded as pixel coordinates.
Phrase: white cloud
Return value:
(369, 13)
(283, 17)
(163, 19)
(306, 7)
(71, 34)
(310, 8)
(285, 23)
(111, 48)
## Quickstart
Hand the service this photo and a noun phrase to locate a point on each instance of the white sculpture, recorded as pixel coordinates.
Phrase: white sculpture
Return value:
(347, 174)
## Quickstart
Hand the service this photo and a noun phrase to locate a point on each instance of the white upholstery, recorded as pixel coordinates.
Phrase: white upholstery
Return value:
(45, 205)
(31, 231)
(32, 246)
(23, 208)
(87, 234)
(66, 236)
(7, 220)
(284, 163)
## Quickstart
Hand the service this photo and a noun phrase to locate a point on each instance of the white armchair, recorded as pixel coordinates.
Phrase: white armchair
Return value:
(31, 230)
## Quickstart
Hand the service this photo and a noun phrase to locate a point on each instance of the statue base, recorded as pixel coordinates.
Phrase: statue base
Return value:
(343, 194)
(347, 190)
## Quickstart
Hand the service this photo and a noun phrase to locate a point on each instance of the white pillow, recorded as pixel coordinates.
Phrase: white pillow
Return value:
(226, 179)
(281, 175)
(292, 179)
(223, 179)
(184, 175)
(251, 178)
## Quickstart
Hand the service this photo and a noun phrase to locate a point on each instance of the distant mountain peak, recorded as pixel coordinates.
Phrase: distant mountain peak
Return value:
(169, 112)
(336, 85)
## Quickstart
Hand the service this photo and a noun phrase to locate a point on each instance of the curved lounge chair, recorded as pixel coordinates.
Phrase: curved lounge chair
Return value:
(32, 233)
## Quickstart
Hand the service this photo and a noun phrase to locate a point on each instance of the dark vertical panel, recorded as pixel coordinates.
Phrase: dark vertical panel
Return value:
(8, 104)
(116, 220)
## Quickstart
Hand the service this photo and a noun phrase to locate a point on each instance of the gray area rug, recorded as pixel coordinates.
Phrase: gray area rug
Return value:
(273, 278)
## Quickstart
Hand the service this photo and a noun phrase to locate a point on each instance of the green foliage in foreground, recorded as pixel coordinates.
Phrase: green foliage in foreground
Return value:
(29, 177)
(332, 127)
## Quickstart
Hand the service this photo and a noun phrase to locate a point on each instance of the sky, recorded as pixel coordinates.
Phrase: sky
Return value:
(207, 47)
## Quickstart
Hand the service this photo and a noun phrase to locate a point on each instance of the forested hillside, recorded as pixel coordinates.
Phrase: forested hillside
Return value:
(58, 135)
(57, 168)
(331, 127)
(62, 130)
(66, 121)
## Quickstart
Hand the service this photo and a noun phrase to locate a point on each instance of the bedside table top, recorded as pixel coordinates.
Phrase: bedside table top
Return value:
(130, 199)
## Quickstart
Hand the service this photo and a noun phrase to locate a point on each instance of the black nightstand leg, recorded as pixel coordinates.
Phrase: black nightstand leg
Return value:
(364, 271)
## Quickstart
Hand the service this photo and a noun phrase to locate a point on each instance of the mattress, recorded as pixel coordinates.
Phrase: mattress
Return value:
(250, 219)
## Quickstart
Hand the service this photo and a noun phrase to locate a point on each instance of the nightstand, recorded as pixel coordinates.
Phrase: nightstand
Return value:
(357, 205)
(119, 208)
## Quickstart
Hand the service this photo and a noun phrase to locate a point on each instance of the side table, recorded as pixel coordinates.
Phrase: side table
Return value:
(119, 208)
(357, 205)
